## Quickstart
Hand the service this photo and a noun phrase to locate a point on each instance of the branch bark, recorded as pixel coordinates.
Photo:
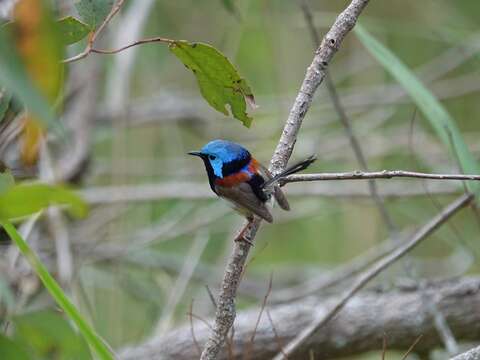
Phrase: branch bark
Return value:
(384, 174)
(472, 354)
(360, 327)
(316, 72)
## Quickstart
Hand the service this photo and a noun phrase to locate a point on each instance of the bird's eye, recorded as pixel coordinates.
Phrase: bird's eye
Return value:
(212, 157)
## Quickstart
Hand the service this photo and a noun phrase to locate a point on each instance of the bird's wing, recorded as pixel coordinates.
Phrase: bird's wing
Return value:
(243, 196)
(278, 194)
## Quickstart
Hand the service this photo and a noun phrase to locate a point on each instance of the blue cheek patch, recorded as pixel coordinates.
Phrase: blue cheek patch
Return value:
(246, 170)
(217, 166)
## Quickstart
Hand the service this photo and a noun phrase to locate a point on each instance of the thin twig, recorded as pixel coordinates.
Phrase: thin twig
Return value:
(384, 346)
(225, 314)
(198, 317)
(190, 317)
(210, 295)
(384, 174)
(410, 349)
(362, 280)
(93, 36)
(260, 313)
(275, 334)
(138, 42)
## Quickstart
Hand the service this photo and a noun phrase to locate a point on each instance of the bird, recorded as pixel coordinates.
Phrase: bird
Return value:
(236, 176)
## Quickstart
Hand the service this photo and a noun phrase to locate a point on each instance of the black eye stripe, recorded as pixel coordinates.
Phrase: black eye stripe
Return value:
(231, 167)
(212, 157)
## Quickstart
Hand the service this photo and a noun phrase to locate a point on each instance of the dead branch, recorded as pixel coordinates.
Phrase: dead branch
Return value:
(359, 328)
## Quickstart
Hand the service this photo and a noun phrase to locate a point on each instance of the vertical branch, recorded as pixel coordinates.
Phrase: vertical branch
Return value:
(225, 314)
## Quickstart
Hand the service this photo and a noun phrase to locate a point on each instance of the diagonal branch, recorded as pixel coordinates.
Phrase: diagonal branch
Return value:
(225, 314)
(472, 354)
(363, 279)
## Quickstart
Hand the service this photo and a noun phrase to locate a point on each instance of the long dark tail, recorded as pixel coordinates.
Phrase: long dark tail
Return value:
(302, 165)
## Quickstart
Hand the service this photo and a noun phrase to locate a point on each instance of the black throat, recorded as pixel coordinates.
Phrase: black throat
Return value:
(210, 173)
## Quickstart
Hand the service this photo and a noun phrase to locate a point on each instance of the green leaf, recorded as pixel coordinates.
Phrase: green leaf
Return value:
(26, 199)
(436, 114)
(5, 98)
(49, 335)
(57, 293)
(12, 350)
(6, 181)
(219, 81)
(72, 30)
(14, 77)
(93, 12)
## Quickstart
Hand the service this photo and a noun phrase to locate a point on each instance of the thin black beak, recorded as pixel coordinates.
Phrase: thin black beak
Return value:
(195, 153)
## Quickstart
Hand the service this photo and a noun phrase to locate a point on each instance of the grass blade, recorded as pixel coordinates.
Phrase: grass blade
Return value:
(439, 118)
(58, 295)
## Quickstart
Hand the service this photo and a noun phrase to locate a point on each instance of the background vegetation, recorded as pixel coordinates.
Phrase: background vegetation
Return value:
(155, 235)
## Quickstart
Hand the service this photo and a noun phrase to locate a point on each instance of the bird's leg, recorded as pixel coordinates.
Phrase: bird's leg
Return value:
(241, 235)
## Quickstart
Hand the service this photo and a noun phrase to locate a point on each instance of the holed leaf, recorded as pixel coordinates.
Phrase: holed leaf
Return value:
(219, 81)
